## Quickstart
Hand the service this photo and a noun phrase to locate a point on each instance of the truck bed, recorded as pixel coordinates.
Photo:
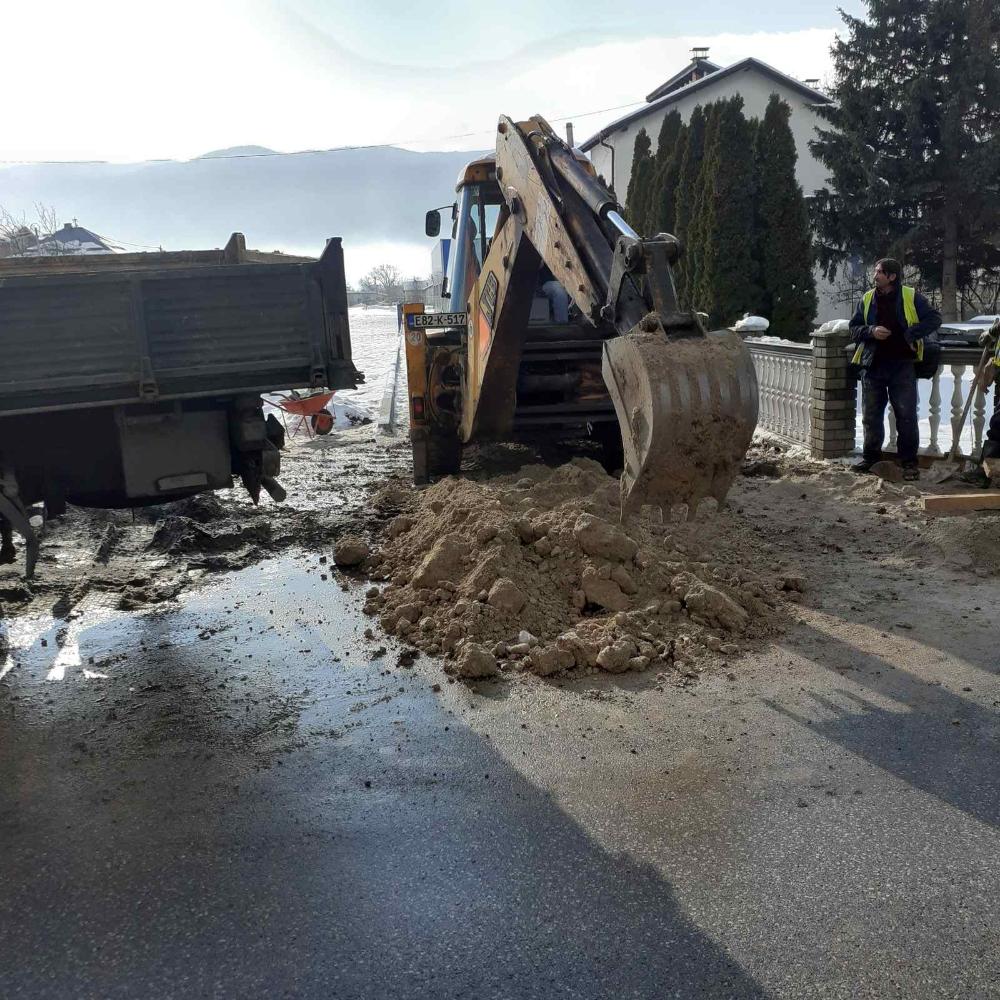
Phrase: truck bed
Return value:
(115, 329)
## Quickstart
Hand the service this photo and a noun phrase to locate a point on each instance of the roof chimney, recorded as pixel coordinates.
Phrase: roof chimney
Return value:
(813, 82)
(699, 52)
(569, 135)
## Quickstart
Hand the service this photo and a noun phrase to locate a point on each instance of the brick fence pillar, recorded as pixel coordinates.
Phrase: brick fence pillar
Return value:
(833, 403)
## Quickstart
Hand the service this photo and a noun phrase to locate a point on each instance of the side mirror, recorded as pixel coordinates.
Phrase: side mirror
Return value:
(432, 222)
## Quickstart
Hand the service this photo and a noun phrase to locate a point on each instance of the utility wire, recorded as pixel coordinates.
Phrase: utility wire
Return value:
(125, 243)
(315, 152)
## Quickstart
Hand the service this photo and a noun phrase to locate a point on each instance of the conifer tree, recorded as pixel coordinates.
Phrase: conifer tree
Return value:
(913, 146)
(666, 145)
(638, 185)
(687, 178)
(664, 217)
(783, 235)
(701, 299)
(727, 274)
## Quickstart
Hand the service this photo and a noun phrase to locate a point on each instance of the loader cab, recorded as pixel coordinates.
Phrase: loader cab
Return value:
(476, 214)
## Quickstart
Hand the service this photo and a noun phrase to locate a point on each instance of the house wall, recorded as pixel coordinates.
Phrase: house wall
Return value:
(755, 88)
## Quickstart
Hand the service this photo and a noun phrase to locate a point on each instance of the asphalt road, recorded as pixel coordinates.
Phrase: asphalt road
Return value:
(244, 803)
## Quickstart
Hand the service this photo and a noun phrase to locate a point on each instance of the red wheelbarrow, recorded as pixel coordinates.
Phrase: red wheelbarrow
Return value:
(310, 412)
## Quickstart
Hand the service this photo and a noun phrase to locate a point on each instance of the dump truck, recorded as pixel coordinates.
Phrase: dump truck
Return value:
(674, 404)
(135, 379)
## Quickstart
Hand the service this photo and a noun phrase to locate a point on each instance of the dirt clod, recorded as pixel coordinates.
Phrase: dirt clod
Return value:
(350, 550)
(474, 663)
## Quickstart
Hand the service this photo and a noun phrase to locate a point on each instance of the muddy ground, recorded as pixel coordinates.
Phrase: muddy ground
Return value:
(138, 559)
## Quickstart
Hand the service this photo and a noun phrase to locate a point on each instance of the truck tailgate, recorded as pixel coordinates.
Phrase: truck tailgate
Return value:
(155, 331)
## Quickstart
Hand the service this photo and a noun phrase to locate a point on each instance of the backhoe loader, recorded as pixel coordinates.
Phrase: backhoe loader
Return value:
(672, 404)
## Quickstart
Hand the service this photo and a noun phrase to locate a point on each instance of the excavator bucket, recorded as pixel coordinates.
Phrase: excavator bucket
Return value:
(687, 409)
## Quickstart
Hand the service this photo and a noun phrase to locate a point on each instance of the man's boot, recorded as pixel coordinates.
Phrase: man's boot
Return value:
(862, 467)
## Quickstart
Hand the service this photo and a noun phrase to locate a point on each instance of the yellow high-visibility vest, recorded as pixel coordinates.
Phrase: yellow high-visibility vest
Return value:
(909, 314)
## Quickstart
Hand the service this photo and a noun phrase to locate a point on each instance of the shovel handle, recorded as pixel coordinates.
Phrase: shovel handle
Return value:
(976, 378)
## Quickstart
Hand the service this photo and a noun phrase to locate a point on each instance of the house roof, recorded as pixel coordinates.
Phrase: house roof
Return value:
(744, 65)
(697, 68)
(71, 239)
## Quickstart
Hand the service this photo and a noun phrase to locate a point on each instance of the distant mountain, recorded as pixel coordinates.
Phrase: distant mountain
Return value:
(236, 151)
(289, 202)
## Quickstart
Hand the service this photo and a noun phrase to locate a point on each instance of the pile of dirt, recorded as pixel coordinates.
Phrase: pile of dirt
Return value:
(535, 571)
(971, 544)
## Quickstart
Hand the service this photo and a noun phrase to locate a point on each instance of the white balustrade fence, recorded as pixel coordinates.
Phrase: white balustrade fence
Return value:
(784, 378)
(787, 399)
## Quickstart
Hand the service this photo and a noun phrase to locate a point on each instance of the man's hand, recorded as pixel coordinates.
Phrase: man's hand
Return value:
(881, 333)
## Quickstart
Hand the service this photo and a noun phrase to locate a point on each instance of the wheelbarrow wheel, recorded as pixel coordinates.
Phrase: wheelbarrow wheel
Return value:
(322, 422)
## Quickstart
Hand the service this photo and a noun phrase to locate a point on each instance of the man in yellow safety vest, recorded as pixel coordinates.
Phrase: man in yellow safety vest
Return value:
(889, 327)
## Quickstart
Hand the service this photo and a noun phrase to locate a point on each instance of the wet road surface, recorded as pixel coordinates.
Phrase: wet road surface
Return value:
(233, 798)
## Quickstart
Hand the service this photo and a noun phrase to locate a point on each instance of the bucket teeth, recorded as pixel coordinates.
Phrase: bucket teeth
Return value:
(687, 409)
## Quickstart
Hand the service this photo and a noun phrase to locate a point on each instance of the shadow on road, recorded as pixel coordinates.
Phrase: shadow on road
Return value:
(389, 852)
(941, 742)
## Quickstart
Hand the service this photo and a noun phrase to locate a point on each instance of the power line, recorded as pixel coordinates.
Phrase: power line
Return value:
(316, 152)
(125, 243)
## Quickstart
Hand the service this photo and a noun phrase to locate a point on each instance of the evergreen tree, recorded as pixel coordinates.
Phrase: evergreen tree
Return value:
(639, 182)
(783, 236)
(690, 168)
(727, 273)
(664, 215)
(914, 144)
(665, 147)
(703, 194)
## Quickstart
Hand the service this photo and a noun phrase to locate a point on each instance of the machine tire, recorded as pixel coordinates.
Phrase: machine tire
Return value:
(612, 450)
(435, 456)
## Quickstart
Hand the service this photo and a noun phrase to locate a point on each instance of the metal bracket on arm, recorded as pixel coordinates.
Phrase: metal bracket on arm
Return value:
(627, 261)
(660, 254)
(648, 263)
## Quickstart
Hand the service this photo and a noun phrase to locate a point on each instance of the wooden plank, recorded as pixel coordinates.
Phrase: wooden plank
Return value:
(962, 503)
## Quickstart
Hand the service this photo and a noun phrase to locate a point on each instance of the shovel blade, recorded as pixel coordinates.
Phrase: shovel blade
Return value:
(687, 409)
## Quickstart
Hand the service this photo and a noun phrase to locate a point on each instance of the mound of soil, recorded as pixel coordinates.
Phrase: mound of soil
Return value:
(537, 571)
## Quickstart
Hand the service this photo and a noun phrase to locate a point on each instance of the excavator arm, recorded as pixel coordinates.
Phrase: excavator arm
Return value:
(685, 398)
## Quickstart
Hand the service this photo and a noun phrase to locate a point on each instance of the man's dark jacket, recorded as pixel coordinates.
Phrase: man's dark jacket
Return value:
(862, 326)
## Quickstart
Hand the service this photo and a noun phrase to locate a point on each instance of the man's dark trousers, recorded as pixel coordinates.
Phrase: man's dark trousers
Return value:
(895, 382)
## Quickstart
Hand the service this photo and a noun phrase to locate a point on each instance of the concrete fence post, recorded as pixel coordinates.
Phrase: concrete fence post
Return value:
(833, 393)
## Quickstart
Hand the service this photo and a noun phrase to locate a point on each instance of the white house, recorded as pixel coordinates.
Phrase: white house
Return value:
(702, 82)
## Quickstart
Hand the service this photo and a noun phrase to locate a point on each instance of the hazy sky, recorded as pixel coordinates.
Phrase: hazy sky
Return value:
(109, 79)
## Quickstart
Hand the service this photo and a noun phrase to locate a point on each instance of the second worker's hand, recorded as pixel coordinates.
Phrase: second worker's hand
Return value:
(881, 333)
